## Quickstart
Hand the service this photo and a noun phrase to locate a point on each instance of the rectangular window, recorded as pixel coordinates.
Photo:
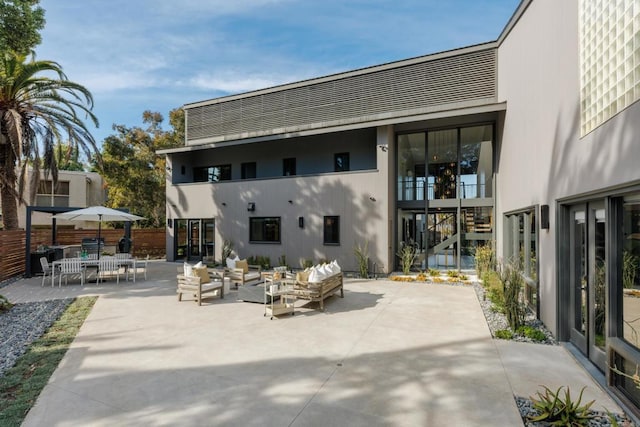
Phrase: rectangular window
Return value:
(49, 196)
(341, 162)
(522, 251)
(331, 230)
(289, 166)
(212, 173)
(264, 229)
(248, 170)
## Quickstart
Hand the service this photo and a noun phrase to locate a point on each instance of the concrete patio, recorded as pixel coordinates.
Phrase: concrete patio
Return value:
(389, 353)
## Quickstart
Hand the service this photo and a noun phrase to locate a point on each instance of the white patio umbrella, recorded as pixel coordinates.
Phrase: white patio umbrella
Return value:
(98, 214)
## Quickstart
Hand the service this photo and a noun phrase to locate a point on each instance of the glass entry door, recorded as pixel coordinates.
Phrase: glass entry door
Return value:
(412, 233)
(443, 239)
(588, 309)
(194, 239)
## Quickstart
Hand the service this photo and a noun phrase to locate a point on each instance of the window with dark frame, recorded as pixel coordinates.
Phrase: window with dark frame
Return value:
(341, 162)
(331, 230)
(248, 170)
(264, 229)
(212, 173)
(289, 166)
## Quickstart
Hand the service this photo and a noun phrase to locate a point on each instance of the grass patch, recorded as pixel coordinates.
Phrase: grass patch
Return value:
(22, 384)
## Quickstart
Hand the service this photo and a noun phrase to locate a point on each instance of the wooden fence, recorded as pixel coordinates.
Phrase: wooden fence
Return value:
(147, 241)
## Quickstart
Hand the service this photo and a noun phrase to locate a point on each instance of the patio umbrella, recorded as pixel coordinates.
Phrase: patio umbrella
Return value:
(98, 214)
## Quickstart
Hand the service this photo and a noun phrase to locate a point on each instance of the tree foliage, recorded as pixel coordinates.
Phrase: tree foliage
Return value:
(36, 112)
(134, 173)
(20, 23)
(67, 157)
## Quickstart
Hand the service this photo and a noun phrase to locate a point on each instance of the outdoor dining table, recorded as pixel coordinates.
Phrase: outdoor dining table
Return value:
(127, 263)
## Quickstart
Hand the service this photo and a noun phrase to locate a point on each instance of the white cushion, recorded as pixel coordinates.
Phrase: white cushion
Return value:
(188, 270)
(314, 275)
(231, 263)
(336, 266)
(325, 271)
(199, 265)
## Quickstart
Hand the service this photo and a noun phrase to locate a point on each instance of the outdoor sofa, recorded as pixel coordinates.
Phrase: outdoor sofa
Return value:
(316, 286)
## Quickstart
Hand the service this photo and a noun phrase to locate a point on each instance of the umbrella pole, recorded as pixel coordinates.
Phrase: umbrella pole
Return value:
(99, 233)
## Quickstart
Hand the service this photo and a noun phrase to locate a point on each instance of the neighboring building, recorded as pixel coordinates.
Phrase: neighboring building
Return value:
(74, 189)
(531, 142)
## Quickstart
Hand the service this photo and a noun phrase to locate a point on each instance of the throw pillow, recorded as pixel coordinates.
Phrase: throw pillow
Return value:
(231, 263)
(188, 269)
(303, 276)
(202, 273)
(315, 276)
(336, 266)
(243, 264)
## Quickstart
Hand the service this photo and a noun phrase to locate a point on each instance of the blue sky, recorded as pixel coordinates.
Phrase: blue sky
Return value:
(137, 55)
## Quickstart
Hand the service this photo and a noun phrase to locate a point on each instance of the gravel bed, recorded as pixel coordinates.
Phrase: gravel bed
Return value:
(600, 419)
(24, 324)
(497, 321)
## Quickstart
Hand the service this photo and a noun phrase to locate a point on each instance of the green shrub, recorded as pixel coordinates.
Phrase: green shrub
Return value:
(531, 333)
(407, 254)
(494, 290)
(5, 305)
(513, 283)
(362, 258)
(485, 259)
(434, 272)
(262, 261)
(556, 410)
(306, 263)
(282, 261)
(504, 334)
(227, 248)
(453, 273)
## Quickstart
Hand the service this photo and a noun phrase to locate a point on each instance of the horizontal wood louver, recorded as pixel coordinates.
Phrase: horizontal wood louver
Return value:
(427, 84)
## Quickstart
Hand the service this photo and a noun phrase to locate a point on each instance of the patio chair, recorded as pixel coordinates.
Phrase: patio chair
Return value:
(143, 264)
(203, 284)
(47, 269)
(126, 261)
(108, 266)
(69, 267)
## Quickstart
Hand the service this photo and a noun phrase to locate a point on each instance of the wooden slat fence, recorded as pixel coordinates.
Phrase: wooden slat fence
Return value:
(148, 241)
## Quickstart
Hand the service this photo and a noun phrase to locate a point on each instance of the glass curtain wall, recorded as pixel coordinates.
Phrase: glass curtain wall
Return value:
(411, 158)
(443, 164)
(437, 172)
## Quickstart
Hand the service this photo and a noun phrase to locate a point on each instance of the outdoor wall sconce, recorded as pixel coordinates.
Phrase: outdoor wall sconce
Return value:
(544, 217)
(290, 202)
(384, 148)
(301, 221)
(169, 223)
(251, 207)
(224, 204)
(373, 199)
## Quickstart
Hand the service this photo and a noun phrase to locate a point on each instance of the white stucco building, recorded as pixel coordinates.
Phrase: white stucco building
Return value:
(531, 141)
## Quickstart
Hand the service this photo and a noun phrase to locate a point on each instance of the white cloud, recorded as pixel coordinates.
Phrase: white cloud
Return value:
(235, 83)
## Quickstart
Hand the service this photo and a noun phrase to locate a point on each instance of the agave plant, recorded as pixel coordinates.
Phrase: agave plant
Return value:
(561, 411)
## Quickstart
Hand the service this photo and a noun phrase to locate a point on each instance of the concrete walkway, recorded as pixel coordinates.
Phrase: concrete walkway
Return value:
(389, 353)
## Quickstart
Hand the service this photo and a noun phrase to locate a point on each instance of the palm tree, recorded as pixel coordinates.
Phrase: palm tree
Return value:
(39, 108)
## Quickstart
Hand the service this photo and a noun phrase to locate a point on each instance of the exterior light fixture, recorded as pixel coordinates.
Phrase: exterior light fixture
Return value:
(251, 206)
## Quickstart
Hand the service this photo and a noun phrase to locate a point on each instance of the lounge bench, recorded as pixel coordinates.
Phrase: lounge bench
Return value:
(317, 291)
